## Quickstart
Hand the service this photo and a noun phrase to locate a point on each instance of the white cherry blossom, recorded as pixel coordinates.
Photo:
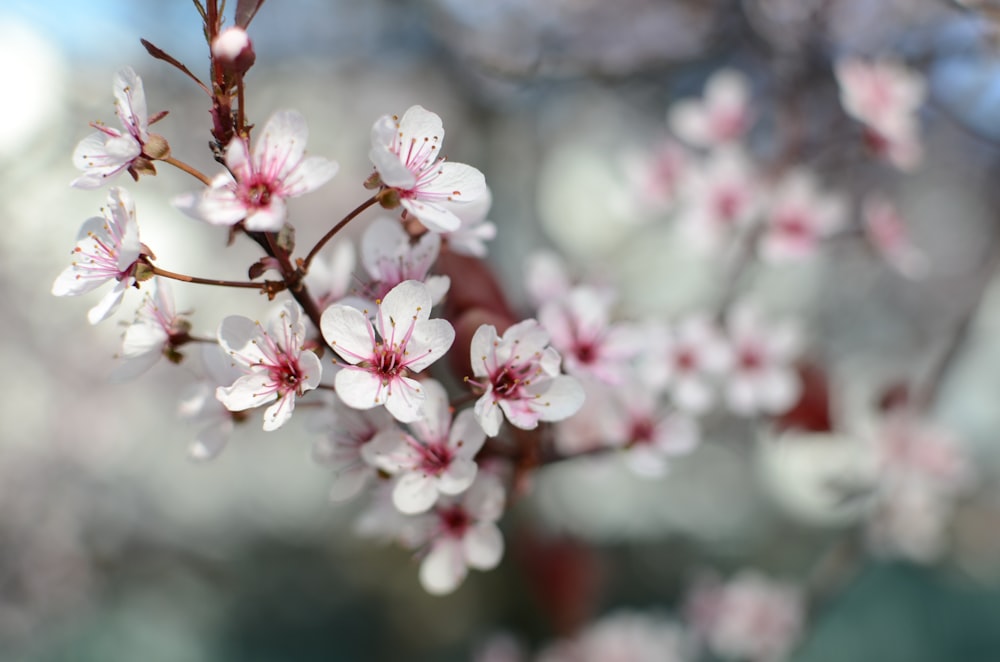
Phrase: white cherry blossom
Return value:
(684, 361)
(762, 378)
(520, 376)
(649, 434)
(436, 458)
(722, 196)
(107, 152)
(257, 184)
(390, 258)
(276, 365)
(886, 230)
(471, 236)
(200, 406)
(149, 336)
(406, 153)
(798, 217)
(885, 96)
(461, 533)
(107, 249)
(379, 364)
(750, 617)
(346, 433)
(580, 328)
(721, 117)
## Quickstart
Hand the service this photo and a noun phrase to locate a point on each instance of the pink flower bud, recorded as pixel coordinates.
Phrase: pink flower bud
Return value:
(233, 50)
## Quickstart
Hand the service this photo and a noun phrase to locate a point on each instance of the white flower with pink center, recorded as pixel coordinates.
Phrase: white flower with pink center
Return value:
(278, 367)
(200, 406)
(750, 617)
(722, 196)
(150, 335)
(721, 117)
(436, 459)
(380, 358)
(581, 330)
(648, 433)
(461, 533)
(107, 152)
(255, 188)
(346, 433)
(623, 636)
(685, 360)
(798, 218)
(886, 229)
(520, 376)
(407, 155)
(107, 249)
(390, 258)
(885, 96)
(762, 378)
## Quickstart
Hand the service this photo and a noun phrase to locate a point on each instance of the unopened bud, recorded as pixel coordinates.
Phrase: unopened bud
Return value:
(388, 198)
(233, 51)
(156, 147)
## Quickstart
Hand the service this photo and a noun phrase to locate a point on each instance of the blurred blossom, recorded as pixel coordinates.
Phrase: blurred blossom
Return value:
(721, 117)
(630, 636)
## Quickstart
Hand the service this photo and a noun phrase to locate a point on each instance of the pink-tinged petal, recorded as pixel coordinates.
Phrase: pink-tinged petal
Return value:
(488, 414)
(481, 351)
(238, 159)
(130, 102)
(456, 184)
(693, 395)
(359, 389)
(310, 370)
(109, 303)
(436, 414)
(391, 169)
(216, 205)
(404, 399)
(210, 440)
(435, 216)
(348, 331)
(563, 398)
(483, 545)
(520, 413)
(486, 498)
(414, 493)
(407, 301)
(237, 336)
(443, 569)
(247, 392)
(267, 219)
(310, 174)
(467, 435)
(457, 477)
(278, 414)
(381, 242)
(142, 338)
(430, 340)
(348, 483)
(281, 144)
(523, 339)
(389, 451)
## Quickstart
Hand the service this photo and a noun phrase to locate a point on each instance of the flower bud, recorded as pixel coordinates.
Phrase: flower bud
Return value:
(233, 51)
(156, 147)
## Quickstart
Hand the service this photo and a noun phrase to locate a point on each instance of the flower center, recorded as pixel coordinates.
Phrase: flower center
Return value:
(435, 458)
(455, 521)
(259, 195)
(388, 362)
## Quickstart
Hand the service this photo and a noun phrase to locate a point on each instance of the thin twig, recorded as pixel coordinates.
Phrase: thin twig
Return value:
(211, 281)
(194, 172)
(336, 228)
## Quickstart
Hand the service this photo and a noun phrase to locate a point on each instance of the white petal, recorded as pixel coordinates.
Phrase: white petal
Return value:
(489, 414)
(348, 331)
(563, 398)
(457, 183)
(267, 219)
(358, 388)
(347, 484)
(109, 303)
(130, 100)
(278, 414)
(404, 399)
(237, 336)
(407, 301)
(281, 145)
(467, 435)
(481, 350)
(247, 392)
(483, 545)
(443, 569)
(211, 440)
(435, 216)
(458, 476)
(430, 340)
(382, 241)
(414, 493)
(436, 414)
(391, 169)
(310, 174)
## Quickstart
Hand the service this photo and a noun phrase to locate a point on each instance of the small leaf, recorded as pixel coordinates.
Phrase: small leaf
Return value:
(246, 10)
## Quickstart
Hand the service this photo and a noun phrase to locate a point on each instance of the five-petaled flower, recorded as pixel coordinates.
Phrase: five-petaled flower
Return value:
(157, 330)
(107, 248)
(406, 154)
(437, 458)
(379, 365)
(106, 152)
(519, 374)
(259, 183)
(277, 365)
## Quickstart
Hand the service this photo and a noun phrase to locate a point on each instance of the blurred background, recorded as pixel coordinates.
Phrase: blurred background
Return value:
(115, 546)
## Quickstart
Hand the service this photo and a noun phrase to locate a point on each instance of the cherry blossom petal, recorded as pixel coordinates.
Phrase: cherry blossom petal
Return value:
(249, 391)
(267, 219)
(444, 568)
(348, 331)
(458, 476)
(467, 436)
(108, 304)
(435, 216)
(278, 414)
(483, 545)
(489, 414)
(414, 493)
(403, 401)
(563, 398)
(359, 388)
